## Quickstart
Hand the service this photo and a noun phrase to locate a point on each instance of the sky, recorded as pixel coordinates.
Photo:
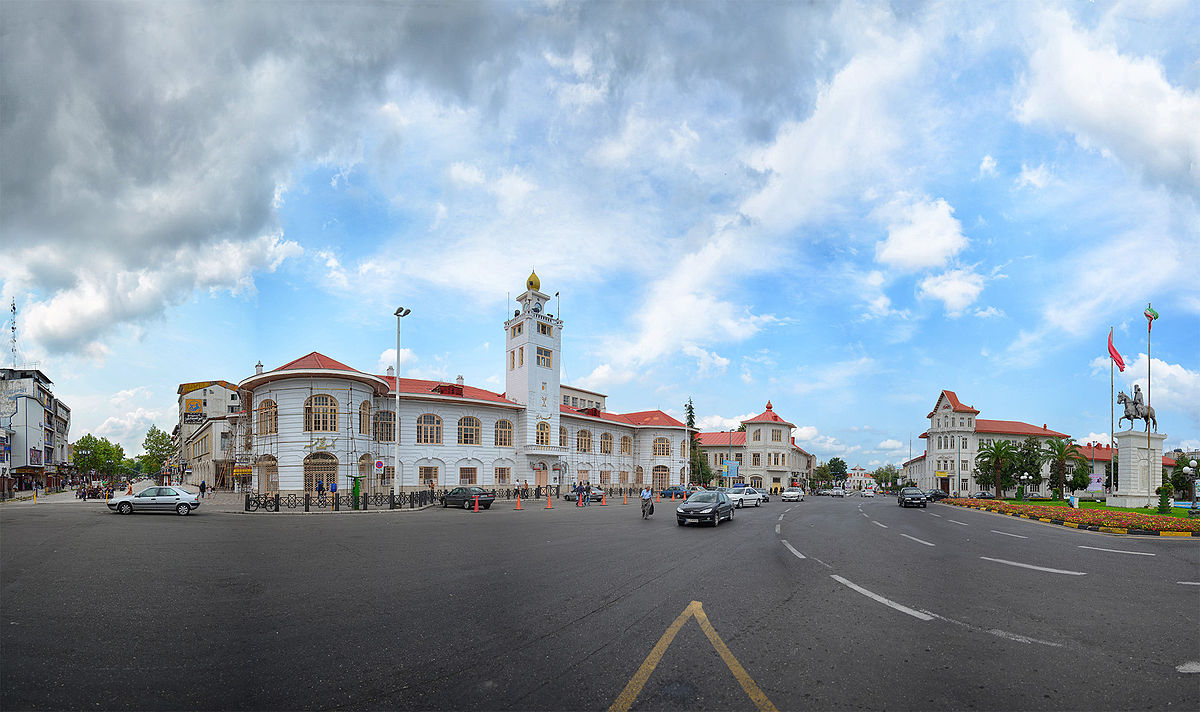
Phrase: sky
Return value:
(842, 208)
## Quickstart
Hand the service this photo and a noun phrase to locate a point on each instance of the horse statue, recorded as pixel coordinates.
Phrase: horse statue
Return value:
(1135, 411)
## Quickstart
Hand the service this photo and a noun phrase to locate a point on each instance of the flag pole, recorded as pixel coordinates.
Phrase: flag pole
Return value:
(1112, 414)
(1149, 468)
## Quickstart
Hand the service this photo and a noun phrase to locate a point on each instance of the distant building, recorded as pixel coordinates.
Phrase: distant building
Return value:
(859, 479)
(197, 402)
(766, 453)
(36, 429)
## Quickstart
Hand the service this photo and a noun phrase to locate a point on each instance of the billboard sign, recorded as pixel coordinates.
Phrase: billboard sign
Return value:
(193, 405)
(193, 418)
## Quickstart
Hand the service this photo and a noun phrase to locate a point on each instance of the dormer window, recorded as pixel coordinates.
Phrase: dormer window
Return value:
(448, 389)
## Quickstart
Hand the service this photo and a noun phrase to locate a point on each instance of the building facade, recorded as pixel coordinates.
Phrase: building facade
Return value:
(197, 403)
(765, 452)
(36, 427)
(316, 421)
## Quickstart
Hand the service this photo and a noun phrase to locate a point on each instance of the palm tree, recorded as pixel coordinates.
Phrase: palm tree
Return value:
(1061, 452)
(995, 458)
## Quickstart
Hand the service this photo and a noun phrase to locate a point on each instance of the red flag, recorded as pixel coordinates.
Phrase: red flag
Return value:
(1112, 351)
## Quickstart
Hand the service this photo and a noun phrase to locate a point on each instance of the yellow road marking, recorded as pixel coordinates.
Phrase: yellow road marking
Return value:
(625, 700)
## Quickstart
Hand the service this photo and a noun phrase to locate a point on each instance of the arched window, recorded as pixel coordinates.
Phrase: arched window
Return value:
(385, 426)
(268, 474)
(661, 477)
(583, 441)
(268, 418)
(639, 474)
(321, 414)
(364, 419)
(662, 446)
(683, 447)
(469, 431)
(543, 433)
(562, 436)
(606, 443)
(319, 467)
(503, 433)
(627, 447)
(429, 430)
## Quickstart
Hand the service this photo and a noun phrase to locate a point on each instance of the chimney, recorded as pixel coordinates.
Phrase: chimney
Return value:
(391, 371)
(459, 380)
(258, 368)
(1043, 426)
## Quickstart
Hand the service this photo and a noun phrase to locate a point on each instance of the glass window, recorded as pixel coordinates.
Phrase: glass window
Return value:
(626, 445)
(545, 329)
(502, 475)
(521, 356)
(754, 459)
(428, 475)
(662, 447)
(466, 475)
(469, 431)
(364, 418)
(543, 434)
(320, 414)
(504, 432)
(583, 441)
(562, 436)
(429, 430)
(776, 435)
(606, 441)
(385, 426)
(756, 436)
(543, 357)
(268, 418)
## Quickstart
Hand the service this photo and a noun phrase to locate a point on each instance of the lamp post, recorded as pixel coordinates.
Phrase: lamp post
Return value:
(401, 312)
(728, 478)
(1190, 471)
(1025, 478)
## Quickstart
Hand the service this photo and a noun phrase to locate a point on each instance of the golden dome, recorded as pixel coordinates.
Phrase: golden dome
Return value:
(533, 282)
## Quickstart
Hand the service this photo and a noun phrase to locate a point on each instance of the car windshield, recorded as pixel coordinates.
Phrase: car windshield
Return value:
(911, 490)
(703, 497)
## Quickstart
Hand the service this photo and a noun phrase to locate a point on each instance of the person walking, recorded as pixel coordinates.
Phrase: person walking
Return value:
(646, 503)
(203, 486)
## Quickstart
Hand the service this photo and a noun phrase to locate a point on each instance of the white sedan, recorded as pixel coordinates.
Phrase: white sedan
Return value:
(745, 496)
(793, 494)
(868, 493)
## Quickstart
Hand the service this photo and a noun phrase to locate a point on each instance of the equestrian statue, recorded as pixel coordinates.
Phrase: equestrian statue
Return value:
(1136, 409)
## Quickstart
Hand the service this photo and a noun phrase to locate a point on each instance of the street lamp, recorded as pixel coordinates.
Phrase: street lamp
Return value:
(1025, 479)
(1190, 471)
(401, 312)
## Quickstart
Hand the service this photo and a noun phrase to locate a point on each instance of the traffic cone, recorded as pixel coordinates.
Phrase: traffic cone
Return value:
(603, 499)
(579, 500)
(518, 502)
(476, 503)
(656, 499)
(626, 498)
(549, 501)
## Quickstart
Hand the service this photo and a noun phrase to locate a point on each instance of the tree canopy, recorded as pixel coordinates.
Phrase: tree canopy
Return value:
(1064, 456)
(98, 455)
(995, 459)
(887, 476)
(837, 468)
(158, 447)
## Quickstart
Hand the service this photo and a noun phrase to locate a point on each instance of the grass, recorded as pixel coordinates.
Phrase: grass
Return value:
(1175, 511)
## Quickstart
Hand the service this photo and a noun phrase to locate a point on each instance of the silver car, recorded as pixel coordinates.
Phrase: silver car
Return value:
(156, 499)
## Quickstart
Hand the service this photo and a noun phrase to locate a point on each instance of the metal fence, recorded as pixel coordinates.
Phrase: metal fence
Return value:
(309, 502)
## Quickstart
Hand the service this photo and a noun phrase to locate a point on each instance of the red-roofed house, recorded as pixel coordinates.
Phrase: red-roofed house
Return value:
(319, 421)
(765, 453)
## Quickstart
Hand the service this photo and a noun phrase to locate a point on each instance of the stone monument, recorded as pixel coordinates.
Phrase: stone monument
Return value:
(1139, 457)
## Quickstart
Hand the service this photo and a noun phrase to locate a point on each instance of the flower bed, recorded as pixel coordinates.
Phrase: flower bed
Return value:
(1087, 517)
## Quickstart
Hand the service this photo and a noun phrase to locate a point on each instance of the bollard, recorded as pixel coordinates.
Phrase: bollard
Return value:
(247, 501)
(306, 496)
(336, 504)
(276, 501)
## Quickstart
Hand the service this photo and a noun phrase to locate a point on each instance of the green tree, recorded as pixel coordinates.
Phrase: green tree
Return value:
(886, 476)
(994, 460)
(98, 456)
(701, 471)
(837, 469)
(1180, 481)
(158, 447)
(1029, 460)
(820, 475)
(1064, 456)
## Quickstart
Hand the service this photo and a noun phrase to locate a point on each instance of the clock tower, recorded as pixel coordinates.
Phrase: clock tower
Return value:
(533, 341)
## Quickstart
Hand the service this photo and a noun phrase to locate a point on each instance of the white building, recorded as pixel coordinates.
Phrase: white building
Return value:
(858, 479)
(317, 421)
(37, 427)
(197, 402)
(766, 453)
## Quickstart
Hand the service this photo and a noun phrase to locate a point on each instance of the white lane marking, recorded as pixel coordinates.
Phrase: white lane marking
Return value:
(787, 510)
(822, 563)
(919, 541)
(1118, 551)
(935, 515)
(1021, 638)
(1007, 534)
(781, 517)
(958, 522)
(878, 524)
(1035, 568)
(881, 599)
(776, 528)
(865, 514)
(1188, 583)
(792, 549)
(1189, 666)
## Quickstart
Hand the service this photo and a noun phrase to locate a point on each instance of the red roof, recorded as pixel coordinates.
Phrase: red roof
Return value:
(955, 405)
(641, 418)
(1014, 427)
(721, 439)
(315, 360)
(918, 457)
(1104, 453)
(768, 416)
(418, 386)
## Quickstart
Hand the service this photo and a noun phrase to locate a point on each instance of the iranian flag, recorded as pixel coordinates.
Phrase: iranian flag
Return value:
(1116, 356)
(1151, 315)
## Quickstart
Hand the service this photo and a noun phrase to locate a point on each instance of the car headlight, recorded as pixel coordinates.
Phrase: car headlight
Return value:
(706, 511)
(679, 510)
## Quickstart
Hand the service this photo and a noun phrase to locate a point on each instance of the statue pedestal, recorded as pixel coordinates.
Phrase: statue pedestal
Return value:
(1139, 469)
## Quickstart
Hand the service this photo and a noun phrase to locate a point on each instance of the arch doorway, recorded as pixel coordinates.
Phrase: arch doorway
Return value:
(268, 474)
(320, 467)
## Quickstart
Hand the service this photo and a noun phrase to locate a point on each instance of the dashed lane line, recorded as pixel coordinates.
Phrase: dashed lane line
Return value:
(1035, 568)
(1017, 536)
(1188, 583)
(881, 599)
(935, 515)
(792, 549)
(776, 528)
(1190, 666)
(878, 524)
(1118, 551)
(958, 522)
(919, 541)
(781, 517)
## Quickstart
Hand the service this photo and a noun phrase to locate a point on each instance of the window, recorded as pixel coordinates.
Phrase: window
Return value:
(502, 475)
(606, 443)
(364, 419)
(545, 329)
(385, 426)
(574, 402)
(566, 400)
(583, 441)
(469, 431)
(562, 436)
(543, 357)
(584, 475)
(626, 445)
(964, 443)
(543, 434)
(320, 414)
(738, 458)
(683, 447)
(756, 436)
(429, 430)
(516, 330)
(320, 471)
(662, 447)
(428, 474)
(754, 459)
(521, 356)
(512, 360)
(965, 466)
(503, 433)
(639, 474)
(624, 477)
(605, 477)
(466, 475)
(268, 418)
(662, 477)
(776, 435)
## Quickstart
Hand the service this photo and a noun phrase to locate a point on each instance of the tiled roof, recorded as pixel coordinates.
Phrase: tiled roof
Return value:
(641, 418)
(915, 459)
(768, 416)
(315, 360)
(1014, 427)
(721, 439)
(1104, 453)
(955, 405)
(417, 386)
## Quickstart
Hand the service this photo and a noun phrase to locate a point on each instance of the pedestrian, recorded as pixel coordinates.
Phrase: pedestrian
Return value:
(646, 502)
(579, 494)
(203, 486)
(587, 494)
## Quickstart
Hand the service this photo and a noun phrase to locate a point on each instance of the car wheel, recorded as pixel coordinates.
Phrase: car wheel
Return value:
(716, 519)
(466, 504)
(182, 509)
(757, 502)
(125, 508)
(445, 504)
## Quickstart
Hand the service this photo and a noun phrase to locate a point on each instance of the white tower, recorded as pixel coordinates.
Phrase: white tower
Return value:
(534, 348)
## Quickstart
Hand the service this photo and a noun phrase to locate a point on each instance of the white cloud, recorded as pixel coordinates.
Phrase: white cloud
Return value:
(989, 313)
(717, 423)
(706, 361)
(129, 428)
(1038, 177)
(604, 376)
(388, 359)
(922, 233)
(890, 444)
(987, 166)
(1101, 438)
(1172, 387)
(835, 376)
(957, 289)
(463, 174)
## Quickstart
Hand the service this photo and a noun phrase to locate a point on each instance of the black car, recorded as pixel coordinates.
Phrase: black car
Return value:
(983, 495)
(705, 507)
(911, 497)
(934, 495)
(465, 497)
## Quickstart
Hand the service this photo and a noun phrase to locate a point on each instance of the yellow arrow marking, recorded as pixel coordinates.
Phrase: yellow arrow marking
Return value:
(625, 700)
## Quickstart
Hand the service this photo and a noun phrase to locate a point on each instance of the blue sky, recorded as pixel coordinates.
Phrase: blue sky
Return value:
(841, 208)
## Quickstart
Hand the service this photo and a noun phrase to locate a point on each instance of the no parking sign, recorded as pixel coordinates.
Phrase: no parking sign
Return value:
(379, 465)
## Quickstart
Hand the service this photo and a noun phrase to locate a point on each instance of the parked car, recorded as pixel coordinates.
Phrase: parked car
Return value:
(935, 494)
(793, 494)
(911, 497)
(1035, 495)
(679, 492)
(156, 499)
(465, 497)
(837, 492)
(705, 507)
(745, 496)
(594, 493)
(983, 495)
(867, 493)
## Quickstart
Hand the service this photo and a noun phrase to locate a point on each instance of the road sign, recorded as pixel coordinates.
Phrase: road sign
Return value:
(379, 465)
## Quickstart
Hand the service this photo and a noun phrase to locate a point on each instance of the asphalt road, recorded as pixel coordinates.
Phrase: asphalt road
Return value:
(889, 608)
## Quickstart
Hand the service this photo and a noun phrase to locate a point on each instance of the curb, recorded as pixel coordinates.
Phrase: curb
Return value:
(1076, 525)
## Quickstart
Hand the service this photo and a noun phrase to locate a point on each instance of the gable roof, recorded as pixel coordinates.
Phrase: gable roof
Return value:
(768, 416)
(956, 406)
(1014, 427)
(315, 359)
(645, 418)
(437, 389)
(721, 439)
